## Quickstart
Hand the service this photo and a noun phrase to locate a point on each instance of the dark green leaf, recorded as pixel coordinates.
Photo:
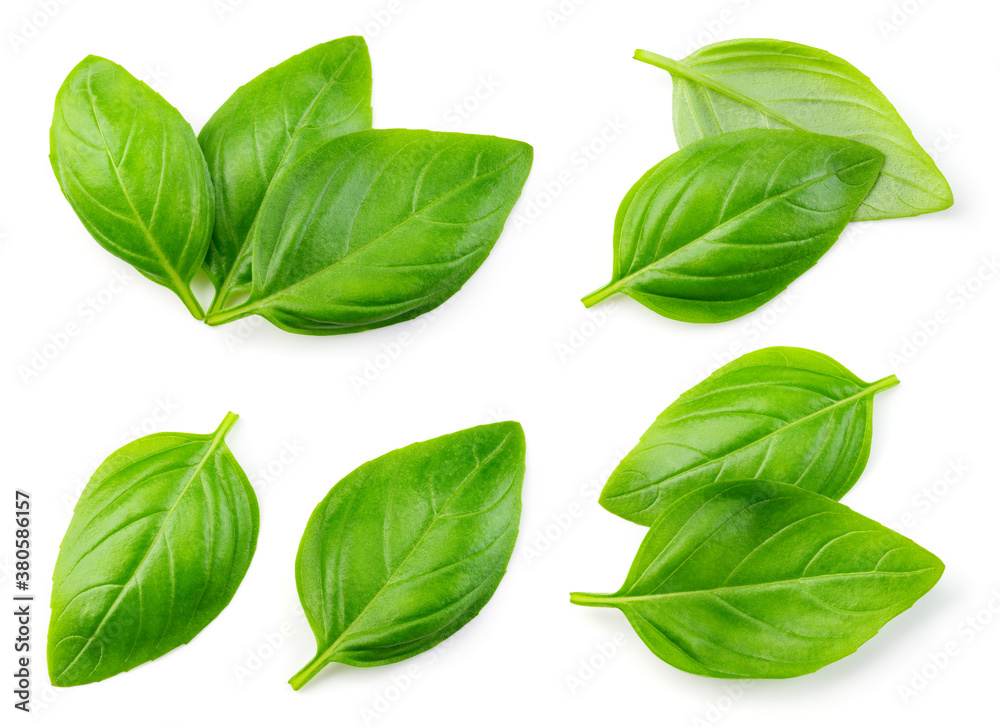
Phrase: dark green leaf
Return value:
(724, 225)
(379, 226)
(131, 167)
(159, 542)
(751, 83)
(785, 414)
(406, 549)
(313, 97)
(754, 579)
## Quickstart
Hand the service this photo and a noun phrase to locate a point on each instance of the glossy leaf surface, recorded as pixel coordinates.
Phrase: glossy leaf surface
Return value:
(265, 125)
(410, 546)
(784, 414)
(131, 168)
(760, 83)
(158, 544)
(377, 227)
(724, 225)
(753, 579)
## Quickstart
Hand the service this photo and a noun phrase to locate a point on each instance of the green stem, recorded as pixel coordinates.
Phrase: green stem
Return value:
(185, 294)
(227, 423)
(882, 384)
(590, 599)
(229, 314)
(600, 294)
(224, 293)
(307, 672)
(655, 59)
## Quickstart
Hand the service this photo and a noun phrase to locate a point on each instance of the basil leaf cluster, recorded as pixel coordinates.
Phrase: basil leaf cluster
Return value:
(751, 568)
(781, 146)
(294, 206)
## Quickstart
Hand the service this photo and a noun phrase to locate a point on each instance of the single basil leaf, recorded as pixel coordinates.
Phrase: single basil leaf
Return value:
(751, 83)
(308, 99)
(724, 225)
(409, 547)
(378, 227)
(158, 544)
(131, 168)
(754, 579)
(789, 415)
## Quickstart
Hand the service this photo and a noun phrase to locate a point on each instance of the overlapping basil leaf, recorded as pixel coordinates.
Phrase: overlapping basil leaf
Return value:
(784, 414)
(313, 97)
(158, 544)
(753, 579)
(131, 168)
(408, 548)
(724, 225)
(378, 227)
(760, 83)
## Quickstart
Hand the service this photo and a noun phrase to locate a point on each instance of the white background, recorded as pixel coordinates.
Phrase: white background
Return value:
(514, 343)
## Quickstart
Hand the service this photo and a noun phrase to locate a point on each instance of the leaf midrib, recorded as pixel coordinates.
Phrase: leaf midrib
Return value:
(612, 599)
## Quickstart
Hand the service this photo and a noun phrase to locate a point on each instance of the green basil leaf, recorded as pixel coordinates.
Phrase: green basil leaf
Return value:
(755, 579)
(131, 168)
(784, 414)
(378, 227)
(158, 544)
(724, 225)
(313, 97)
(750, 83)
(409, 547)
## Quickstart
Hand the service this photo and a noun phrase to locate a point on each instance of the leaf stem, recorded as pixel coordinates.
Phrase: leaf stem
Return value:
(590, 599)
(308, 672)
(229, 314)
(185, 294)
(598, 295)
(227, 423)
(882, 384)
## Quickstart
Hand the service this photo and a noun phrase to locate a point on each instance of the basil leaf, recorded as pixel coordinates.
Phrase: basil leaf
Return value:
(158, 544)
(284, 112)
(784, 414)
(756, 579)
(408, 548)
(131, 168)
(748, 83)
(379, 226)
(724, 225)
